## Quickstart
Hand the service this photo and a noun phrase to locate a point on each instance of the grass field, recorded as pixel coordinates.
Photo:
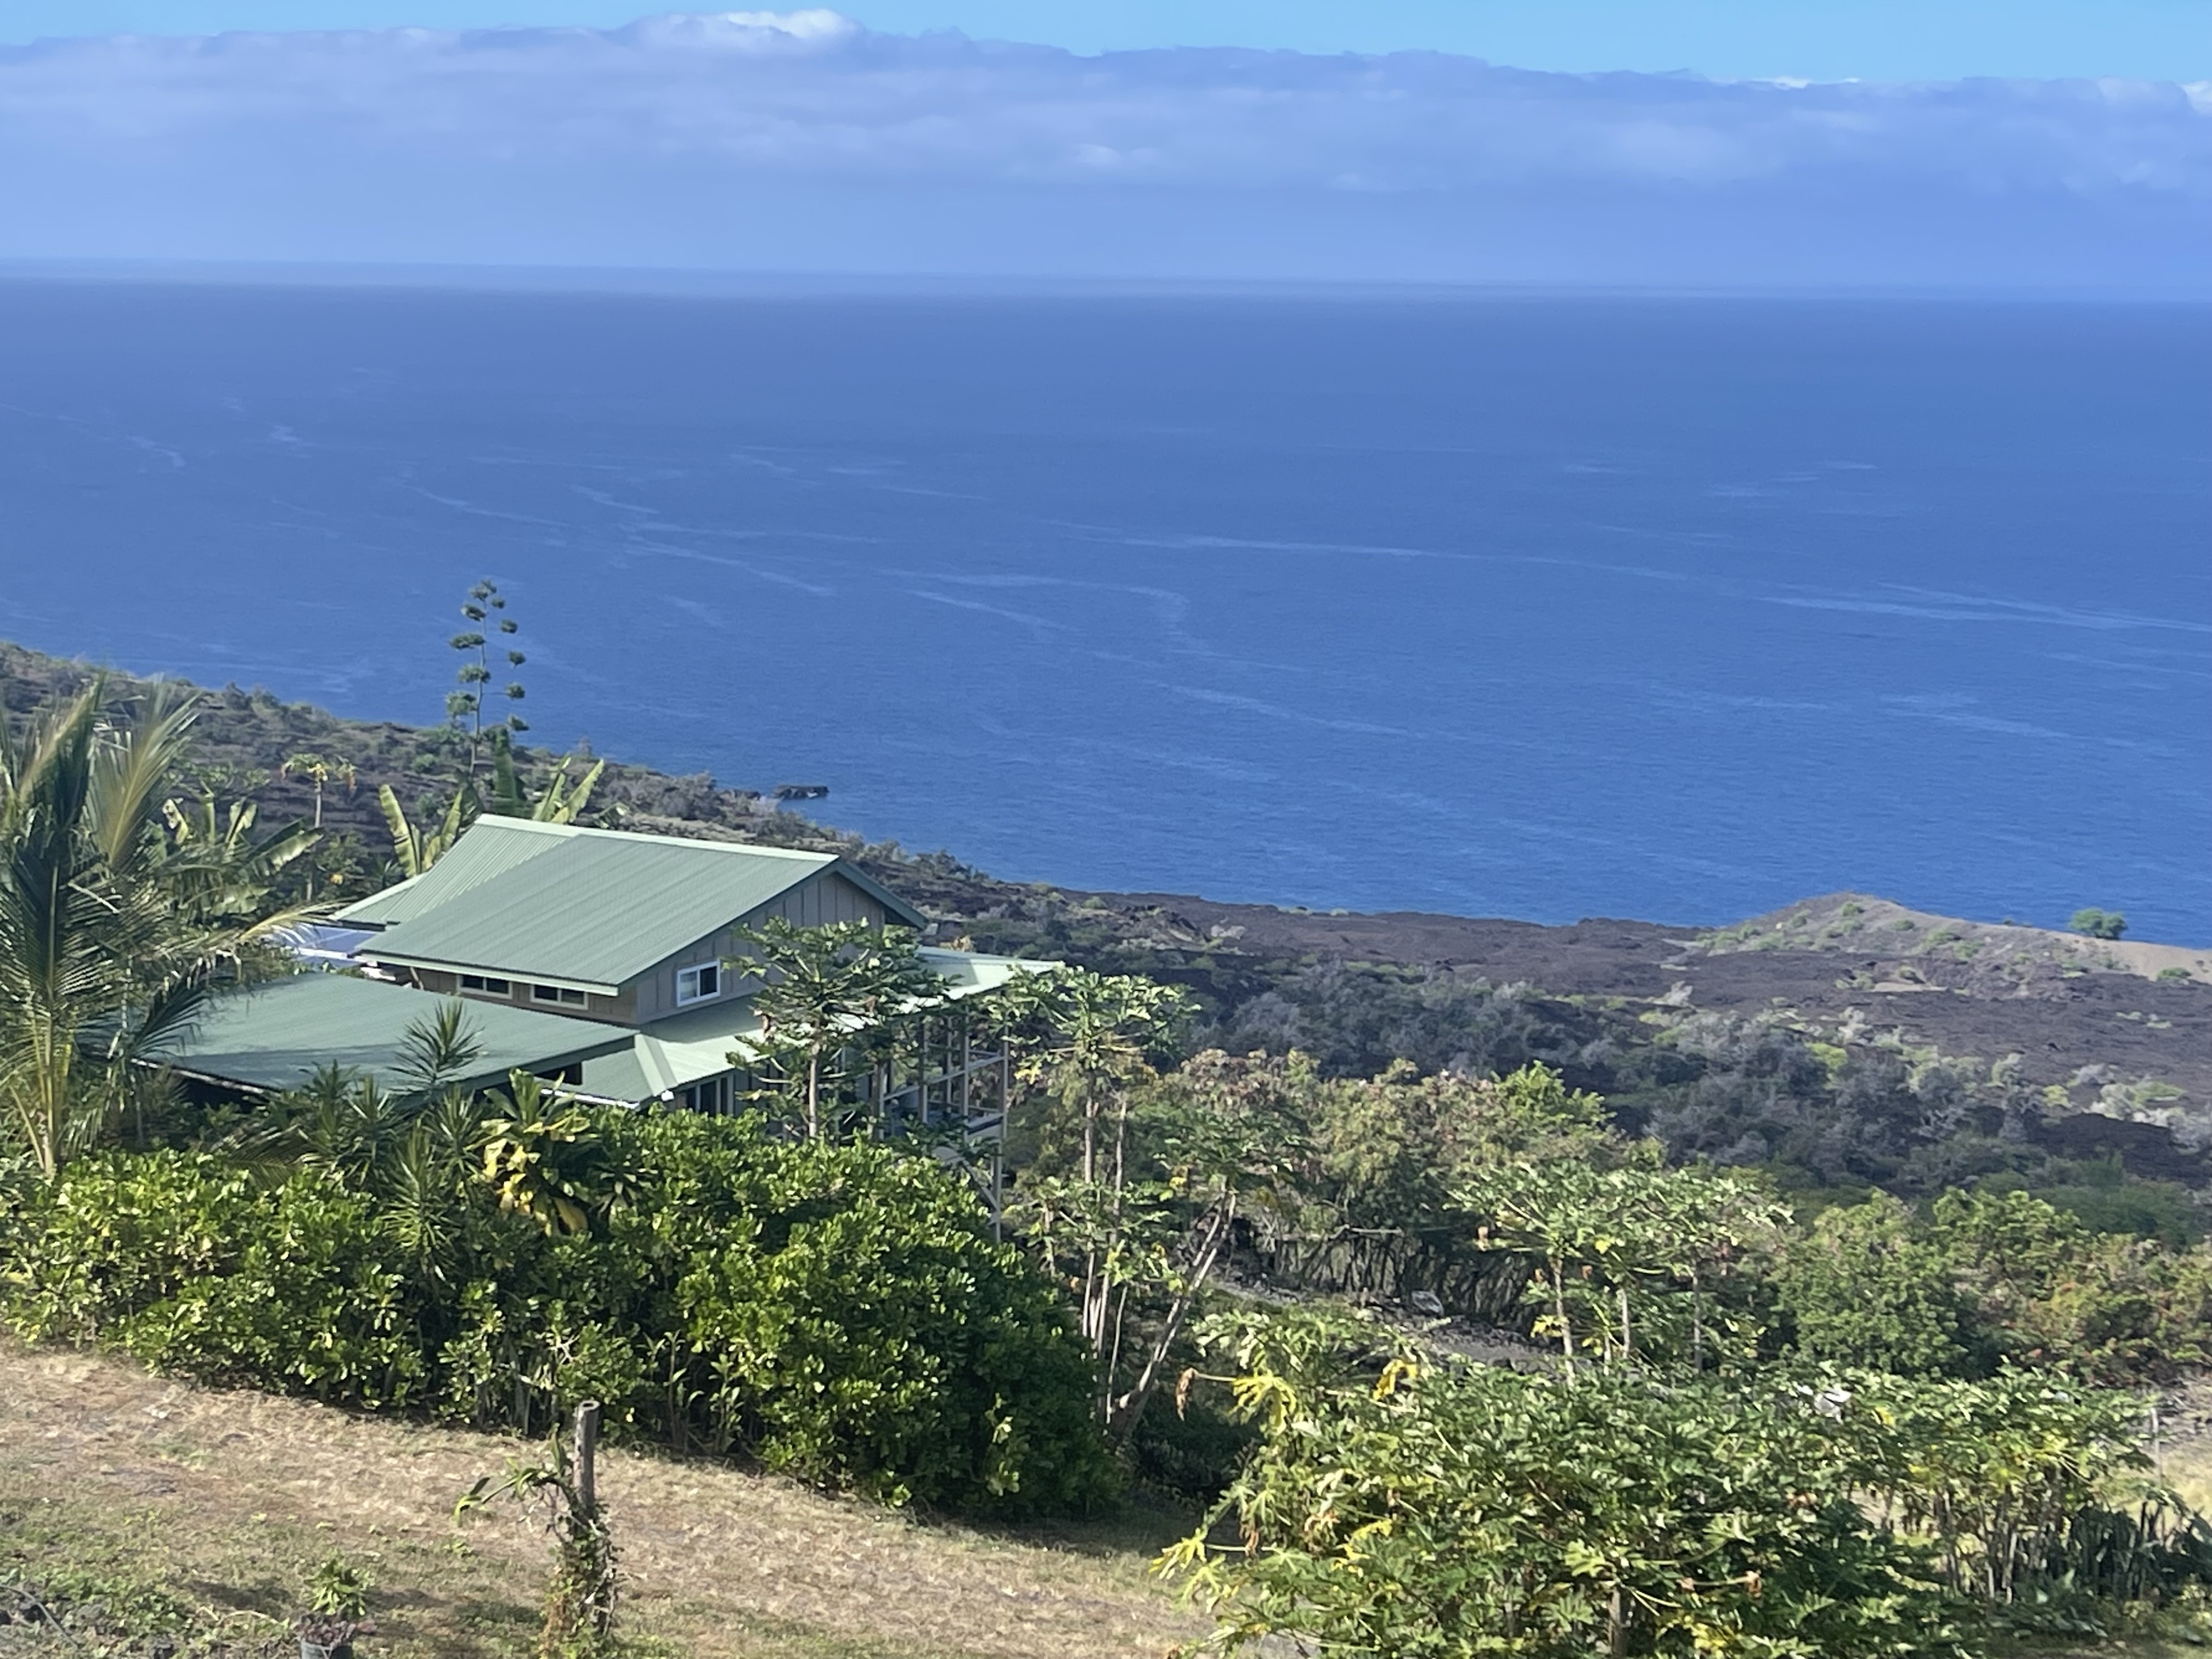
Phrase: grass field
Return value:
(174, 1503)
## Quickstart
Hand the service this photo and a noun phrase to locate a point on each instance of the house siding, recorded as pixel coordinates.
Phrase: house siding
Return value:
(817, 902)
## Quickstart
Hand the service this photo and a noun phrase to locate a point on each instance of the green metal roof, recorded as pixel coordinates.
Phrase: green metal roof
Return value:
(588, 907)
(474, 860)
(970, 973)
(277, 1035)
(697, 1043)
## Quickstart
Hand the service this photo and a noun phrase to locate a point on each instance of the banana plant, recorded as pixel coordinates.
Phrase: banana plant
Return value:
(565, 798)
(214, 858)
(417, 849)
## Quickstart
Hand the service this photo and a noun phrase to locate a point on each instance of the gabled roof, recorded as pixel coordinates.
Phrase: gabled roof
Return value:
(277, 1034)
(701, 1042)
(590, 908)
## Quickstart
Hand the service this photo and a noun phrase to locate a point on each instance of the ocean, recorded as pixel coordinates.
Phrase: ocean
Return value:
(1520, 604)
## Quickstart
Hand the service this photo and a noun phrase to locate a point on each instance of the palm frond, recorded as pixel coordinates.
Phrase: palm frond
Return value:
(130, 774)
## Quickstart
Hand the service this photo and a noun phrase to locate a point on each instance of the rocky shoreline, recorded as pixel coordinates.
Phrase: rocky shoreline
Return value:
(2118, 1032)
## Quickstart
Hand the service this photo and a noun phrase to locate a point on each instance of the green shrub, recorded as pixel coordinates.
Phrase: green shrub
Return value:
(339, 1588)
(838, 1311)
(185, 1262)
(851, 1319)
(1403, 1503)
(1864, 1287)
(1400, 1505)
(2099, 924)
(1991, 1277)
(2053, 1294)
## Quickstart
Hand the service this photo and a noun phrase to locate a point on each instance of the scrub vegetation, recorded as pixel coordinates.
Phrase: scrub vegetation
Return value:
(1451, 1316)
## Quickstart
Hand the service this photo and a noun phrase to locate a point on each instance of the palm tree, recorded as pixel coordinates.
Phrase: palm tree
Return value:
(115, 920)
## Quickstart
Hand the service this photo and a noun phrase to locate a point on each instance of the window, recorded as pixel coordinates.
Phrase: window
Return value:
(712, 1096)
(490, 986)
(560, 994)
(698, 984)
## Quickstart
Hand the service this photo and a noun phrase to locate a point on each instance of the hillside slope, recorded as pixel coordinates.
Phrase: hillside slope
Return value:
(176, 1505)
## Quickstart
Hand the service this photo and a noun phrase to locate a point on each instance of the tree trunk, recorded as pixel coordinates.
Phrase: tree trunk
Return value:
(1559, 1313)
(1123, 1417)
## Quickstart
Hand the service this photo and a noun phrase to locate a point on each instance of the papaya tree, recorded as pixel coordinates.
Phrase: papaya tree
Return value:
(320, 770)
(831, 1000)
(1629, 1261)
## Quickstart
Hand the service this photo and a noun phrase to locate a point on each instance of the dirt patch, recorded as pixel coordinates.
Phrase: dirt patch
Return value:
(227, 1499)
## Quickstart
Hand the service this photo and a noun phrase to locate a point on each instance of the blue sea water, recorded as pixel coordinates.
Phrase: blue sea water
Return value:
(1506, 605)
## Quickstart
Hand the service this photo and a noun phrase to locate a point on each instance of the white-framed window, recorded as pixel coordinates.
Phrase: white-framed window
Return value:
(699, 984)
(488, 985)
(560, 994)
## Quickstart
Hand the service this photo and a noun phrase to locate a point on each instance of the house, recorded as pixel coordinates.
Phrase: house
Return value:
(602, 958)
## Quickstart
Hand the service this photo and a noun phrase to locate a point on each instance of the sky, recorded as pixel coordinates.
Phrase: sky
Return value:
(1820, 40)
(814, 141)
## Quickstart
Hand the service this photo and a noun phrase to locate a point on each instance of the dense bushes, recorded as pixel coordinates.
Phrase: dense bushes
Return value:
(1403, 1504)
(837, 1311)
(1477, 1509)
(1847, 1106)
(1989, 1278)
(182, 1260)
(1511, 1201)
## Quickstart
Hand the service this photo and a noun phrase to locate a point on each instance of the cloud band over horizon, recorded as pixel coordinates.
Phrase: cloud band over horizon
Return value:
(800, 141)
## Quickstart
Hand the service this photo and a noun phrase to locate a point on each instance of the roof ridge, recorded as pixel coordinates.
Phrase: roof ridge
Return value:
(577, 830)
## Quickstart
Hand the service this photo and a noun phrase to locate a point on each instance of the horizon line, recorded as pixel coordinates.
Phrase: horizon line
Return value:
(710, 281)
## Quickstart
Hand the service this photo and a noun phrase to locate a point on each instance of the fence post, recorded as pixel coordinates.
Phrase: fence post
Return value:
(588, 1449)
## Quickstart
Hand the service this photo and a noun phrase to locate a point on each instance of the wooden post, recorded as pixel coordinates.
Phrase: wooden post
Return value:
(587, 1452)
(967, 1065)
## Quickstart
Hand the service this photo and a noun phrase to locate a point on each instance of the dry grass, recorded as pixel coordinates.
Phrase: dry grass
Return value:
(227, 1499)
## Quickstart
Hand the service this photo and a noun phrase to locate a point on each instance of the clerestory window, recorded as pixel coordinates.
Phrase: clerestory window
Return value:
(699, 984)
